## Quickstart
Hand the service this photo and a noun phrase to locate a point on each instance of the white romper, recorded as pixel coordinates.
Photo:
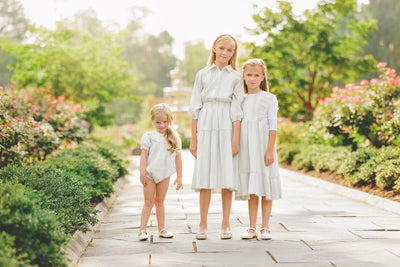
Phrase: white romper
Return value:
(160, 162)
(259, 117)
(216, 103)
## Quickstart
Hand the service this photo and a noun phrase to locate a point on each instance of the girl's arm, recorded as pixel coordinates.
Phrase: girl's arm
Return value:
(143, 164)
(235, 138)
(193, 140)
(269, 155)
(178, 165)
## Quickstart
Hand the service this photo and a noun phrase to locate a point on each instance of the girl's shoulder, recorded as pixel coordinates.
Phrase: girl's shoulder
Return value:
(268, 95)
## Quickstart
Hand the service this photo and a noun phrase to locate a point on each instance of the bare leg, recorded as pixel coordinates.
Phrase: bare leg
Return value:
(161, 192)
(266, 208)
(149, 191)
(253, 210)
(205, 199)
(226, 198)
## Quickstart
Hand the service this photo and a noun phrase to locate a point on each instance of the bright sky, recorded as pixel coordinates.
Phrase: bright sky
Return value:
(185, 20)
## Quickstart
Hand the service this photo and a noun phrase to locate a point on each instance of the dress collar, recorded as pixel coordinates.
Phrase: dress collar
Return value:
(227, 67)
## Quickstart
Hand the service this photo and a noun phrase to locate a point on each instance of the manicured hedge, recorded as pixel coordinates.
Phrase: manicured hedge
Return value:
(363, 166)
(38, 235)
(42, 203)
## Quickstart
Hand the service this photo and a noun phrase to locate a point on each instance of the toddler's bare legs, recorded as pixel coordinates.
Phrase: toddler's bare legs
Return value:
(205, 199)
(253, 210)
(161, 193)
(226, 198)
(149, 191)
(266, 208)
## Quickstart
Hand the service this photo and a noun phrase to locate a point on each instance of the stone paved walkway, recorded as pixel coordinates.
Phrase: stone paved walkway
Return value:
(310, 226)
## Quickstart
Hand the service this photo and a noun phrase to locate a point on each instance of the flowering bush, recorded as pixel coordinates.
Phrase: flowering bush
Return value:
(363, 114)
(34, 124)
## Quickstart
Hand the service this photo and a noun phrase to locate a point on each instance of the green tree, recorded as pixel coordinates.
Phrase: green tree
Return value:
(196, 57)
(75, 65)
(13, 26)
(384, 45)
(306, 54)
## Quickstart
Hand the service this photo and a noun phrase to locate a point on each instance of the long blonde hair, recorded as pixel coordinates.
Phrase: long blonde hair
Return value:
(163, 109)
(260, 63)
(233, 60)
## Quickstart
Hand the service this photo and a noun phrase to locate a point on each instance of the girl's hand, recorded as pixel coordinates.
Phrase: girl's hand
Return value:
(144, 180)
(193, 148)
(235, 148)
(178, 183)
(268, 158)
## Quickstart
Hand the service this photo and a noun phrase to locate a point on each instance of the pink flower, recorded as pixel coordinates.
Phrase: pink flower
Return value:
(374, 80)
(320, 100)
(35, 125)
(381, 65)
(350, 85)
(391, 80)
(357, 99)
(364, 82)
(327, 100)
(33, 107)
(18, 119)
(335, 89)
(71, 145)
(343, 97)
(1, 87)
(359, 88)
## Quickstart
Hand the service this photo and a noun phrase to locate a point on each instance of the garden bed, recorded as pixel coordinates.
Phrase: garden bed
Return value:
(333, 177)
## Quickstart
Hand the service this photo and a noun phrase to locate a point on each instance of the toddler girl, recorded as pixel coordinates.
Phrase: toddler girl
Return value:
(160, 158)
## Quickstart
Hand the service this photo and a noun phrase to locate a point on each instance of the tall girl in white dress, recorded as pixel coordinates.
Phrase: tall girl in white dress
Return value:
(258, 164)
(160, 158)
(215, 109)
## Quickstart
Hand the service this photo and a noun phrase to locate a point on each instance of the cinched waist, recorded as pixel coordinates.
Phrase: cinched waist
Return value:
(215, 99)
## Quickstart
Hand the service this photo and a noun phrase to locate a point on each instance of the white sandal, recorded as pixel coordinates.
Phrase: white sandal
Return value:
(143, 235)
(165, 233)
(249, 235)
(266, 235)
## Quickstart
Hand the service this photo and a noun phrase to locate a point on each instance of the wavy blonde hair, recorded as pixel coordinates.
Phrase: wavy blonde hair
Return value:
(163, 109)
(260, 63)
(233, 60)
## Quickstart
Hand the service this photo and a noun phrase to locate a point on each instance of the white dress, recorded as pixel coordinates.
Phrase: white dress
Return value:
(259, 117)
(216, 103)
(160, 162)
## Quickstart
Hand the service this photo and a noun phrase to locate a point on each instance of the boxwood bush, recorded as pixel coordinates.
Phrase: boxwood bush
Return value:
(38, 235)
(59, 191)
(364, 166)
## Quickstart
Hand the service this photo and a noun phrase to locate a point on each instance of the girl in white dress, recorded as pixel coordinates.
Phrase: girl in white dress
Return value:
(215, 109)
(160, 158)
(258, 164)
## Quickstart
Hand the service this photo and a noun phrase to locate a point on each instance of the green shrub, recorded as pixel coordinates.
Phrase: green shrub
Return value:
(357, 158)
(387, 173)
(286, 152)
(37, 232)
(95, 172)
(115, 156)
(59, 191)
(185, 142)
(8, 253)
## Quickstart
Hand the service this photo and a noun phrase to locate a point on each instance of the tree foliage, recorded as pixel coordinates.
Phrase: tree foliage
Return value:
(196, 56)
(384, 45)
(13, 26)
(306, 54)
(75, 65)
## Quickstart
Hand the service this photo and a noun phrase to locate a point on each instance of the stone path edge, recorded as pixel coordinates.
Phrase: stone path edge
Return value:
(382, 203)
(79, 240)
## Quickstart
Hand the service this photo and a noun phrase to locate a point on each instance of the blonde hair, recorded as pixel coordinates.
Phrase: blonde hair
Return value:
(260, 63)
(164, 110)
(233, 60)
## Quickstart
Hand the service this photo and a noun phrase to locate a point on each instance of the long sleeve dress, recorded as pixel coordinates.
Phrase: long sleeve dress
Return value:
(259, 117)
(216, 104)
